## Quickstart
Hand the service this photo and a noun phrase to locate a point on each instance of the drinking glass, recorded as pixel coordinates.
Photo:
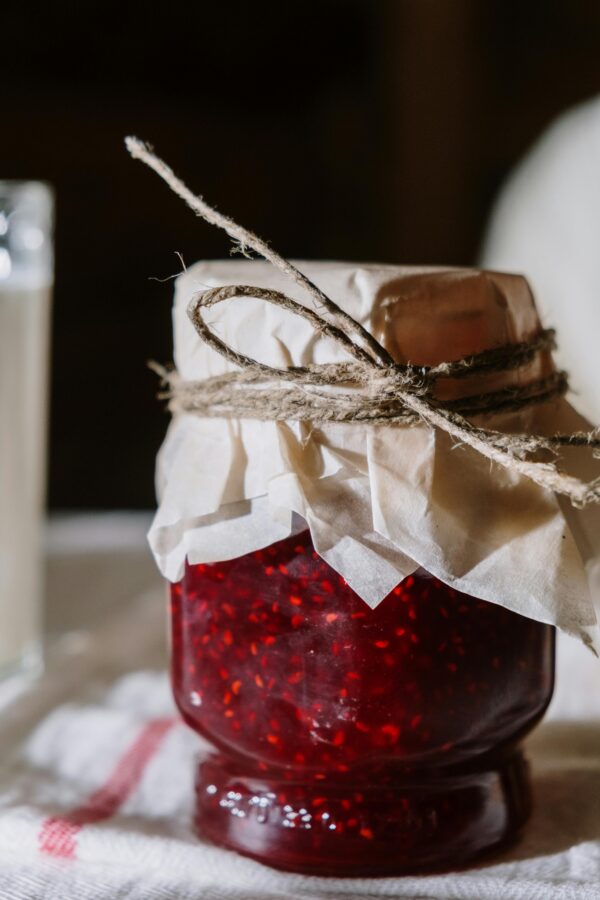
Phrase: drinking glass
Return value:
(26, 276)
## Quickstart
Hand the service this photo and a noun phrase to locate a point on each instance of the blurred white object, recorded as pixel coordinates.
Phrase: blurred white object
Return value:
(25, 287)
(546, 225)
(577, 685)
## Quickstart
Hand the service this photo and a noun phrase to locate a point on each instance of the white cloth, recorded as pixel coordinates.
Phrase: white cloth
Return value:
(97, 734)
(147, 848)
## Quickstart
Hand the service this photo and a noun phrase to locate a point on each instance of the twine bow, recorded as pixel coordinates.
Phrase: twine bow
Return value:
(371, 388)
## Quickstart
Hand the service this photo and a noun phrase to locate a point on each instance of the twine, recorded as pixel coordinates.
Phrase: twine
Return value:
(371, 388)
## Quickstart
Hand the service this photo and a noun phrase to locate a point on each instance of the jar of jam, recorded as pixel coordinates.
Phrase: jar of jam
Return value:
(352, 741)
(355, 739)
(366, 679)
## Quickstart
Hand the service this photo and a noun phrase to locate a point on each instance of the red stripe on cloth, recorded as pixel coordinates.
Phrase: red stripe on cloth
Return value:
(58, 834)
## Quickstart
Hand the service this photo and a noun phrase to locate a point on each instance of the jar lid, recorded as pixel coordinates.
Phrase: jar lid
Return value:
(426, 317)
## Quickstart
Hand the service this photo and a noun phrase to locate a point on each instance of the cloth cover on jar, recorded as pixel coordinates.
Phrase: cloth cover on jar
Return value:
(380, 501)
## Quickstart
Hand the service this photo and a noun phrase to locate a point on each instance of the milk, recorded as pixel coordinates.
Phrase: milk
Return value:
(24, 332)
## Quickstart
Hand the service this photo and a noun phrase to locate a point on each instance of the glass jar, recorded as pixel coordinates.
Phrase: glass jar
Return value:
(350, 740)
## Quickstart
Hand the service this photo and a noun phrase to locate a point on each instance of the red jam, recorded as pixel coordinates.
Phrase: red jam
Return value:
(353, 741)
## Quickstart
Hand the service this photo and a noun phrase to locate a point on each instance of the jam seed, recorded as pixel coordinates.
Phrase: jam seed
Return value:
(391, 731)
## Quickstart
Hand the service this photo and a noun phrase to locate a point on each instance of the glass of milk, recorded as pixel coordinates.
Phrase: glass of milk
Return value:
(26, 267)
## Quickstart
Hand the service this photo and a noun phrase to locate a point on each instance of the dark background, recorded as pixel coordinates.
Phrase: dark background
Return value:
(355, 129)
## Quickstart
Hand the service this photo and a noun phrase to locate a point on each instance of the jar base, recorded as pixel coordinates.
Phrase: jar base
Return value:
(384, 825)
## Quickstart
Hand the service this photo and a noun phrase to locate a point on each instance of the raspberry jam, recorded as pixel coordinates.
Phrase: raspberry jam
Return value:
(352, 741)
